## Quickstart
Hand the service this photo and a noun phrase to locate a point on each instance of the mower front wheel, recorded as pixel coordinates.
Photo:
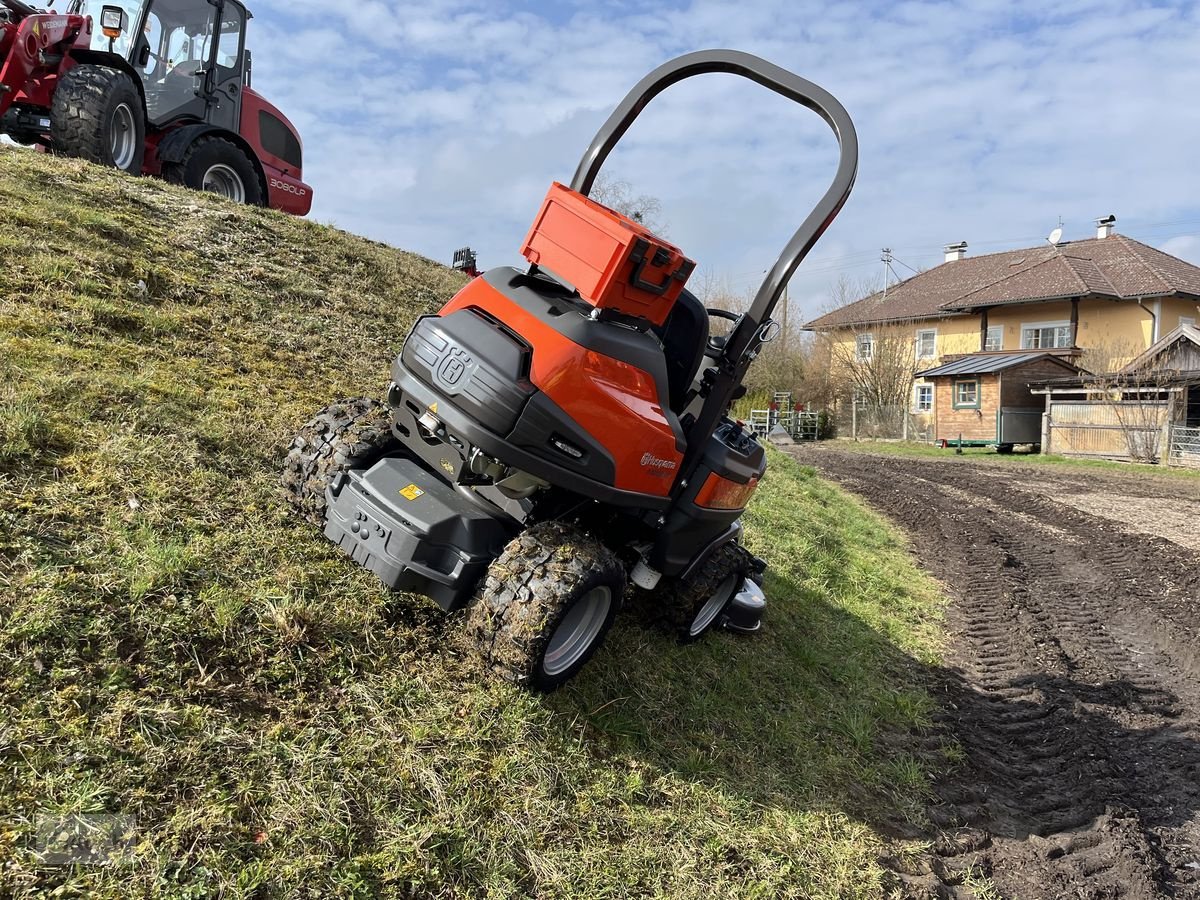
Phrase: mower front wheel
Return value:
(694, 606)
(348, 433)
(545, 606)
(97, 114)
(218, 166)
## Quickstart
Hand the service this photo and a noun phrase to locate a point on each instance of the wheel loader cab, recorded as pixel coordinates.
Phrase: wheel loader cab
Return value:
(188, 53)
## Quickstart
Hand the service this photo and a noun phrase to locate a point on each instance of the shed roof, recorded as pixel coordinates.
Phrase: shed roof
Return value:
(1148, 359)
(1113, 268)
(987, 363)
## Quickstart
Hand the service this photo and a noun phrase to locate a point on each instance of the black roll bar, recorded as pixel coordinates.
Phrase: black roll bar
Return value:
(744, 341)
(781, 81)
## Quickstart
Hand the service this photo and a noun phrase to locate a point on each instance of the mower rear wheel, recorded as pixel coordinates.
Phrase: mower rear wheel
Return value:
(97, 115)
(219, 167)
(694, 606)
(349, 433)
(545, 605)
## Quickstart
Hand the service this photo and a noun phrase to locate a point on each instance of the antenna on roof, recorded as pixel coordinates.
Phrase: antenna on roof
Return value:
(1055, 237)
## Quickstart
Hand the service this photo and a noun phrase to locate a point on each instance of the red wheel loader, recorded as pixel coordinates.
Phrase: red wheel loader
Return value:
(554, 434)
(155, 87)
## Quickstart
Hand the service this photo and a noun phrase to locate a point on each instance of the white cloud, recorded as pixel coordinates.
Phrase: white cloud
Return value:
(439, 124)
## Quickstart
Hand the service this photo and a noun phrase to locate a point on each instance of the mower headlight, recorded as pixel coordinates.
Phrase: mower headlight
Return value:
(112, 21)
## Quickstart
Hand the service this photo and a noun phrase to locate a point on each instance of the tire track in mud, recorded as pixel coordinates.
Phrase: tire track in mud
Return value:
(1071, 689)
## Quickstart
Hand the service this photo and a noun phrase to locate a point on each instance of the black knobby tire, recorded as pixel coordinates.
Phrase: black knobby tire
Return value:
(708, 591)
(221, 167)
(549, 581)
(97, 115)
(348, 433)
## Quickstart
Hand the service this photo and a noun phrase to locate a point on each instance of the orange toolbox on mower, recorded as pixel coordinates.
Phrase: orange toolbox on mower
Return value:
(616, 264)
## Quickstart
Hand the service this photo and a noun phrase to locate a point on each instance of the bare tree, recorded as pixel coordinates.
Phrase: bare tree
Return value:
(618, 194)
(1137, 397)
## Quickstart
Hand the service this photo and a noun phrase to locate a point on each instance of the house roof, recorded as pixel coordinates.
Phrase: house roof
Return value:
(987, 363)
(1116, 268)
(1145, 360)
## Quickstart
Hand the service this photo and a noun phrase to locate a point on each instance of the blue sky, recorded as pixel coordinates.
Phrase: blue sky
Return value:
(437, 124)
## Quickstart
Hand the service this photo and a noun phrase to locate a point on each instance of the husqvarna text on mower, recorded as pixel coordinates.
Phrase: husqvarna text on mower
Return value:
(553, 433)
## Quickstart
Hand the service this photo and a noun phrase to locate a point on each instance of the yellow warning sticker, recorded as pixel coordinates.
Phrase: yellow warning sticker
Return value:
(433, 408)
(412, 492)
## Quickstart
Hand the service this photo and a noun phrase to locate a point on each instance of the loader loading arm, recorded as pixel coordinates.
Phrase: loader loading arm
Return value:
(751, 329)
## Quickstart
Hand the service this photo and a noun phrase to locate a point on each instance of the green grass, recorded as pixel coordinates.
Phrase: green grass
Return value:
(988, 455)
(175, 647)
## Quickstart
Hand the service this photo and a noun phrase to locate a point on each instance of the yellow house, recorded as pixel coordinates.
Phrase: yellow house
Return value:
(1098, 302)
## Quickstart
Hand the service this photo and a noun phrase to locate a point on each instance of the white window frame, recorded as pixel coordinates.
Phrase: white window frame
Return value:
(918, 389)
(1040, 326)
(867, 337)
(1187, 320)
(987, 341)
(921, 333)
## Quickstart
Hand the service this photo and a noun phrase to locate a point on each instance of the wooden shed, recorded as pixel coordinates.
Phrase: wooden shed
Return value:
(1148, 411)
(984, 399)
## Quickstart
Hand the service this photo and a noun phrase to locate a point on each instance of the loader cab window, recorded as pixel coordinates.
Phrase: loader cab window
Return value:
(179, 34)
(229, 47)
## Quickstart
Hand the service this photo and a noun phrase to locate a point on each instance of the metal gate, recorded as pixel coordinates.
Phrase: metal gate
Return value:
(1185, 446)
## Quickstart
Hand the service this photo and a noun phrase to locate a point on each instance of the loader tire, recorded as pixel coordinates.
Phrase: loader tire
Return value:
(97, 115)
(219, 167)
(545, 606)
(349, 433)
(691, 608)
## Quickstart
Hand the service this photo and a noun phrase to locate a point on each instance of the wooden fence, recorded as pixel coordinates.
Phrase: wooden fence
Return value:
(1126, 430)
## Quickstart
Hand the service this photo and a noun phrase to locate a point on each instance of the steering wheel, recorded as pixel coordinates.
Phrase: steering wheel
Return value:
(716, 343)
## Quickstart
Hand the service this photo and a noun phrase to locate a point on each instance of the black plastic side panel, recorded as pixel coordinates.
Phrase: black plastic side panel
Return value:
(690, 530)
(475, 361)
(413, 530)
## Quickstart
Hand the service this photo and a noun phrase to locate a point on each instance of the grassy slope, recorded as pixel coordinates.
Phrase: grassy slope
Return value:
(175, 647)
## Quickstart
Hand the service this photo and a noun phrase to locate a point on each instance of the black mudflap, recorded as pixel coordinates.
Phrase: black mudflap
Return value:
(415, 531)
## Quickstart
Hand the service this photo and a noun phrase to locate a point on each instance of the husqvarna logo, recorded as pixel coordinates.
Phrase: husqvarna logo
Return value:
(653, 462)
(453, 367)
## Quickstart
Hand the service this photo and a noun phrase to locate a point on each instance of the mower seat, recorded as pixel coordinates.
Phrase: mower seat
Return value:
(684, 336)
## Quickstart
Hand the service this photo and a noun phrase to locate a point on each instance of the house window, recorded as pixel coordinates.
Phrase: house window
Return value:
(923, 398)
(864, 347)
(995, 338)
(926, 343)
(966, 394)
(1045, 335)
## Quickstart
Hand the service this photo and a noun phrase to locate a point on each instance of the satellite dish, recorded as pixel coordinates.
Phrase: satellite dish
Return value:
(1055, 236)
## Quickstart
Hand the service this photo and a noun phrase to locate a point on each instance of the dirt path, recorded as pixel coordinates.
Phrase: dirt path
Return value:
(1072, 685)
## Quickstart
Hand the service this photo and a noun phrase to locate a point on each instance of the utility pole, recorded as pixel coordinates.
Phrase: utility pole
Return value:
(887, 264)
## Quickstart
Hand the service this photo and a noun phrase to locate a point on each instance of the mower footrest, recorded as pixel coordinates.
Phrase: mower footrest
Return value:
(413, 530)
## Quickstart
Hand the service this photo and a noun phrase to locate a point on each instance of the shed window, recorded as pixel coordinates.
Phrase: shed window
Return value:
(927, 343)
(995, 338)
(1045, 335)
(966, 394)
(923, 398)
(864, 347)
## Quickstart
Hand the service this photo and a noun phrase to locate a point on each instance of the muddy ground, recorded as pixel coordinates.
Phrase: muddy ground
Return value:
(1072, 681)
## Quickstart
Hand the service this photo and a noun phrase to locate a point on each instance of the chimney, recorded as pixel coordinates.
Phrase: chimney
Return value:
(1105, 226)
(956, 251)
